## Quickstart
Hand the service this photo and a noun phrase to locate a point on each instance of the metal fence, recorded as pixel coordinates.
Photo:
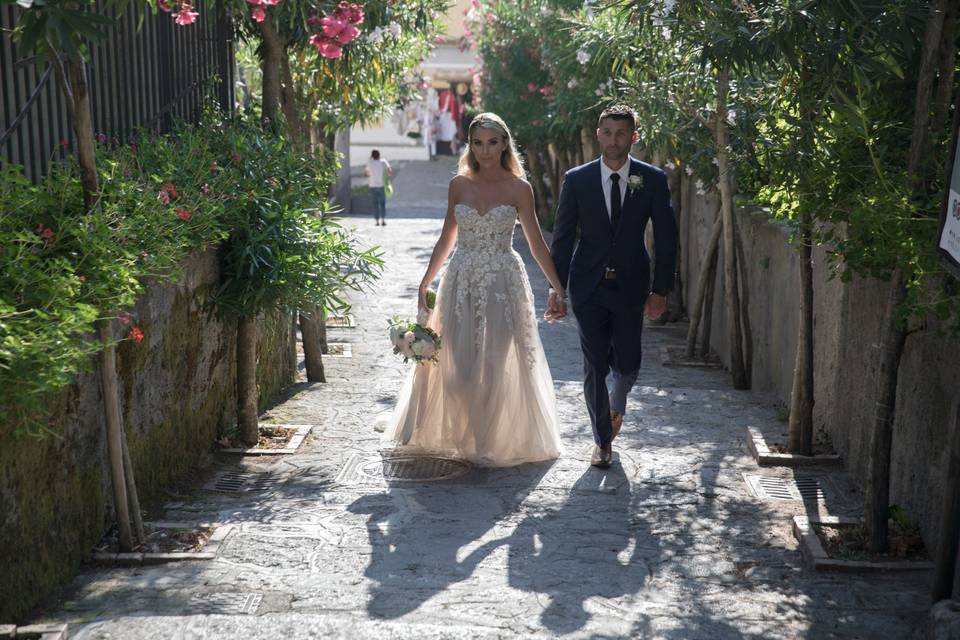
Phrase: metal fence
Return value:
(145, 73)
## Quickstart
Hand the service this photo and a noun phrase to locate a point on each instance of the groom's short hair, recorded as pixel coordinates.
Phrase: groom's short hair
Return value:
(619, 112)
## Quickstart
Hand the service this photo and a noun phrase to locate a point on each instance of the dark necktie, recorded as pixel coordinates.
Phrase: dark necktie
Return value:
(616, 201)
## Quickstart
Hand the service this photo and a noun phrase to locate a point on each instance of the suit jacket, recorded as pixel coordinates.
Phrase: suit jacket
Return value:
(582, 207)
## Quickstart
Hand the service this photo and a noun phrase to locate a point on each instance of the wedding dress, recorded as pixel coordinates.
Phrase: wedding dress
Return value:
(490, 398)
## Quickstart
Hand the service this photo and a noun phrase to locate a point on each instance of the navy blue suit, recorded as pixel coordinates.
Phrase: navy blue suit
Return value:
(609, 312)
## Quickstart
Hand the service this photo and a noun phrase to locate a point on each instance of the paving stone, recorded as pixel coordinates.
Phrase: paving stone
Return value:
(668, 543)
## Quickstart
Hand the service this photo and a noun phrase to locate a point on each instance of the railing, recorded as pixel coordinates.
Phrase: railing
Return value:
(145, 73)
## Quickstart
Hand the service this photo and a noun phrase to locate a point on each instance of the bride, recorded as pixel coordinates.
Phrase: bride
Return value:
(490, 399)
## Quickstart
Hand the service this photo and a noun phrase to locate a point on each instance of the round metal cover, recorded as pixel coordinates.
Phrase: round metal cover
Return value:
(415, 468)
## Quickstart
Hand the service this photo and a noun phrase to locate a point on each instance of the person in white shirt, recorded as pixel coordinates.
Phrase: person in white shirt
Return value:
(378, 170)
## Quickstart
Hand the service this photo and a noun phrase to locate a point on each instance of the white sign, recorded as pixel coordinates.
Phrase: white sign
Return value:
(950, 234)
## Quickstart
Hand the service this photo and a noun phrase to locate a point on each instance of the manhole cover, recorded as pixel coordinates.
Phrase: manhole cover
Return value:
(236, 482)
(807, 489)
(414, 468)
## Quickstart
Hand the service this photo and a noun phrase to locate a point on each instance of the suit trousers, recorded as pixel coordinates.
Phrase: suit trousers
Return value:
(611, 327)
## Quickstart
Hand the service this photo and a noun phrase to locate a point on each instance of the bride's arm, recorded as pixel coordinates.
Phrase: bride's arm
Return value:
(443, 247)
(534, 236)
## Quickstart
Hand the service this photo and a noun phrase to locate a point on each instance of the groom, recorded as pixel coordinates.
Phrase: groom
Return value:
(610, 201)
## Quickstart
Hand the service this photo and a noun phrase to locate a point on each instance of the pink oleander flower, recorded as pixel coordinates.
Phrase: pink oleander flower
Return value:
(101, 138)
(258, 13)
(348, 34)
(330, 50)
(546, 91)
(313, 21)
(236, 157)
(44, 232)
(169, 188)
(532, 87)
(124, 318)
(183, 214)
(133, 147)
(164, 6)
(163, 197)
(332, 26)
(271, 3)
(185, 16)
(135, 334)
(205, 189)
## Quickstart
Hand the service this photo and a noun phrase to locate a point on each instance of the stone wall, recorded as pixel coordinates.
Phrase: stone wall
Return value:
(177, 394)
(847, 317)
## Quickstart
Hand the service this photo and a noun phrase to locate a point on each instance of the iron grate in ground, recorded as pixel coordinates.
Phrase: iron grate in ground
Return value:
(224, 603)
(239, 482)
(400, 468)
(804, 488)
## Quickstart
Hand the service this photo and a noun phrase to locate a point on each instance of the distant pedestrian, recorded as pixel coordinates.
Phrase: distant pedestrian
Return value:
(379, 172)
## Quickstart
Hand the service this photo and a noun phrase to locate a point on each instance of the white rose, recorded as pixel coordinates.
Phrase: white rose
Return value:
(417, 347)
(408, 338)
(395, 334)
(583, 57)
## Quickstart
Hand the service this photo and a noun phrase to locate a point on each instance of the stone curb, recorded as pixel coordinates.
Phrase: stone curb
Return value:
(34, 632)
(302, 430)
(208, 552)
(816, 557)
(766, 458)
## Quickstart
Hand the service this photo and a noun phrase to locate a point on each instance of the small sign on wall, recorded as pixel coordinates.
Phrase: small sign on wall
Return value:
(950, 213)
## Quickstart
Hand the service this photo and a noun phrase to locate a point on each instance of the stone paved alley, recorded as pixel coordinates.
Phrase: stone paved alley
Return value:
(669, 543)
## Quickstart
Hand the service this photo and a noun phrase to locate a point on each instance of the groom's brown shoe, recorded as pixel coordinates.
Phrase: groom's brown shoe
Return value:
(616, 421)
(602, 456)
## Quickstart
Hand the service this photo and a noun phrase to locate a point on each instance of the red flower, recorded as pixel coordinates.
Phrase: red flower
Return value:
(185, 16)
(258, 13)
(163, 197)
(170, 189)
(135, 334)
(330, 50)
(347, 35)
(45, 233)
(183, 214)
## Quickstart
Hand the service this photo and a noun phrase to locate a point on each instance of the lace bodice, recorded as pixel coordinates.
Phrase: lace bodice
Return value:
(485, 268)
(491, 232)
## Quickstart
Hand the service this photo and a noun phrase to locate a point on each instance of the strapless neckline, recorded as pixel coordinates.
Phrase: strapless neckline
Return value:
(488, 211)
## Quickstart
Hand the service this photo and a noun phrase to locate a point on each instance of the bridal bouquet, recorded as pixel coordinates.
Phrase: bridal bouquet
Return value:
(414, 340)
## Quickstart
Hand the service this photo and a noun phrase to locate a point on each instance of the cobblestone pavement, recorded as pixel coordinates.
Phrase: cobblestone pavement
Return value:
(668, 543)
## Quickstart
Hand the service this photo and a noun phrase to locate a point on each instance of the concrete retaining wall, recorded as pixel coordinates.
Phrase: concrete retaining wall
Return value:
(177, 394)
(847, 319)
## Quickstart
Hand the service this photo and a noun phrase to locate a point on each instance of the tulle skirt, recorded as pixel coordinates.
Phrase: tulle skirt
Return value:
(490, 398)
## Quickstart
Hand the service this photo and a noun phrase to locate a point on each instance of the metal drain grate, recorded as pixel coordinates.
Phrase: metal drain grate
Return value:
(805, 488)
(237, 482)
(224, 603)
(414, 468)
(377, 470)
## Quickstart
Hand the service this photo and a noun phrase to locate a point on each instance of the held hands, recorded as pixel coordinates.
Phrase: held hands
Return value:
(655, 306)
(556, 306)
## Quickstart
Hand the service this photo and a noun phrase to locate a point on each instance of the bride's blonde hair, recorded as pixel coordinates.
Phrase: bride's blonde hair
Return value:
(509, 159)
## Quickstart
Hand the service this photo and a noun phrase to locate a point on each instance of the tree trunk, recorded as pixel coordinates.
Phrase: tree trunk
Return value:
(802, 400)
(132, 494)
(946, 69)
(542, 205)
(746, 329)
(706, 322)
(675, 299)
(322, 334)
(556, 174)
(737, 369)
(946, 560)
(312, 350)
(111, 406)
(247, 396)
(296, 127)
(893, 335)
(708, 271)
(272, 53)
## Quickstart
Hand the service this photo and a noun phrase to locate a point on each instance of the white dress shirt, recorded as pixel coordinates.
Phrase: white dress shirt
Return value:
(607, 183)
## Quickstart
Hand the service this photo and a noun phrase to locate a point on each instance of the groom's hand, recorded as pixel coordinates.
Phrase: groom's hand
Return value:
(655, 307)
(556, 307)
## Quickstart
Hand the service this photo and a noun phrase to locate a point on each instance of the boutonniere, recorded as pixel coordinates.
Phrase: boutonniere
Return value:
(634, 182)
